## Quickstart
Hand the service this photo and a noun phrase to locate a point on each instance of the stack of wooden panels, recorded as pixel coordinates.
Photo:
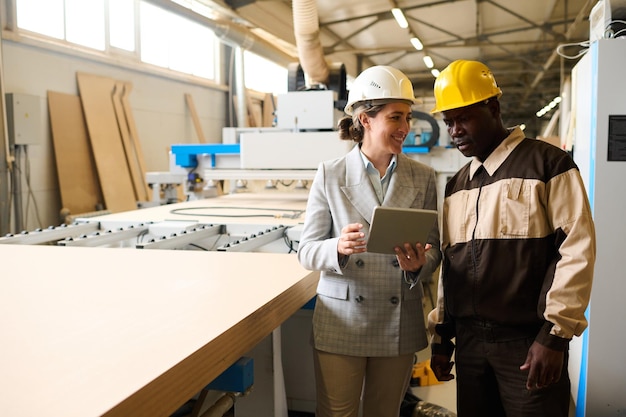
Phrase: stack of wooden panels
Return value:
(97, 149)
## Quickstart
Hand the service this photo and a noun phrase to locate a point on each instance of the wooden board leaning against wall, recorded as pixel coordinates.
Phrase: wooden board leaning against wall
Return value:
(260, 108)
(98, 153)
(106, 142)
(78, 180)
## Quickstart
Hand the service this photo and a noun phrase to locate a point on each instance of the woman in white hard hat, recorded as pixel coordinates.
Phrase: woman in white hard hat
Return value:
(368, 320)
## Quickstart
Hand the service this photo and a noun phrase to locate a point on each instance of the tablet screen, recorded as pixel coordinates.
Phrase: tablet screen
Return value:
(393, 226)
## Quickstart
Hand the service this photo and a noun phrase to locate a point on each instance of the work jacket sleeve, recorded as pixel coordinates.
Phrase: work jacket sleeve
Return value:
(568, 296)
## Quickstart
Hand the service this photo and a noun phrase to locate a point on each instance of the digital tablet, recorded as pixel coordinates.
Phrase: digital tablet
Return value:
(393, 226)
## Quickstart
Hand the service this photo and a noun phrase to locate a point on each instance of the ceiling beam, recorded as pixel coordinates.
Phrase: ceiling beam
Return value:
(386, 14)
(534, 25)
(579, 18)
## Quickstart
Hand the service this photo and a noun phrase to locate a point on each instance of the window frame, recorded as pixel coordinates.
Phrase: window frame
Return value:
(111, 55)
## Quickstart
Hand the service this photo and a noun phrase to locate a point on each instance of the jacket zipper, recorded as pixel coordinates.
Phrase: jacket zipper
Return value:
(473, 245)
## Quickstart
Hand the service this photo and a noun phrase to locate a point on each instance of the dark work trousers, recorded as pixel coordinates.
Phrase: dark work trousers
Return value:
(489, 381)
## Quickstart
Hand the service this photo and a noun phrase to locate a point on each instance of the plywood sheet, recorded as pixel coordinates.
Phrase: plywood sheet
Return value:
(138, 337)
(255, 111)
(106, 143)
(134, 136)
(76, 170)
(269, 107)
(138, 179)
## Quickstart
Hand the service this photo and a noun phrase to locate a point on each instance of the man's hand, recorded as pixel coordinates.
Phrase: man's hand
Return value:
(544, 366)
(441, 366)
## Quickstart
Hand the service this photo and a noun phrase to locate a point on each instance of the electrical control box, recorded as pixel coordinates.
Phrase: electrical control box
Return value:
(23, 119)
(603, 16)
(307, 110)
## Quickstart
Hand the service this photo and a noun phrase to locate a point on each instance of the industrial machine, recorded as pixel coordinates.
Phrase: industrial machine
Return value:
(303, 135)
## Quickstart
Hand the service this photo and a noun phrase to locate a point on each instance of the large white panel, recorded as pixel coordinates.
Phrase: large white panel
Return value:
(290, 150)
(601, 92)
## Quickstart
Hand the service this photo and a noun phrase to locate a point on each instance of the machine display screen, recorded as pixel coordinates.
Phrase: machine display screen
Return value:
(617, 138)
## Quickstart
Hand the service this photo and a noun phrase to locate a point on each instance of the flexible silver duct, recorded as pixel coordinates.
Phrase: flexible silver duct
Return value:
(238, 35)
(310, 51)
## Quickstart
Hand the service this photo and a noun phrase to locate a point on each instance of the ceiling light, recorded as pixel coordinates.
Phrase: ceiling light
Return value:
(435, 72)
(549, 106)
(397, 13)
(428, 61)
(417, 44)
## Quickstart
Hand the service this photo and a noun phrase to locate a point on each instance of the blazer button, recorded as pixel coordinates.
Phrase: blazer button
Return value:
(394, 300)
(395, 263)
(359, 298)
(360, 263)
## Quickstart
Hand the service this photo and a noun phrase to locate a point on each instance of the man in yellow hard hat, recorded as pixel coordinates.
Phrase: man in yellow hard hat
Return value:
(519, 249)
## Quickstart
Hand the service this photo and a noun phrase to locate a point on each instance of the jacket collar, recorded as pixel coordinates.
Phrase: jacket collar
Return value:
(499, 155)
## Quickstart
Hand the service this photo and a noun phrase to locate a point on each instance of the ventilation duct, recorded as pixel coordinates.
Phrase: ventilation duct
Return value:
(310, 51)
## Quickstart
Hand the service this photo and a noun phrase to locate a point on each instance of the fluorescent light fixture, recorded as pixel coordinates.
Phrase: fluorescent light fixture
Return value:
(428, 61)
(549, 106)
(435, 72)
(417, 44)
(399, 16)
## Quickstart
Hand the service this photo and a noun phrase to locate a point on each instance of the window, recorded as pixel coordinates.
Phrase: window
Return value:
(263, 75)
(42, 16)
(151, 34)
(122, 31)
(154, 44)
(184, 46)
(84, 23)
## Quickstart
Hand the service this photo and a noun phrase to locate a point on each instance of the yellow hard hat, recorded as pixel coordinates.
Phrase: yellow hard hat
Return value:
(379, 83)
(463, 83)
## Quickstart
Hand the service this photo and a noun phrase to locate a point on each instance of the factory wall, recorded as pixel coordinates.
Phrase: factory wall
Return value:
(157, 101)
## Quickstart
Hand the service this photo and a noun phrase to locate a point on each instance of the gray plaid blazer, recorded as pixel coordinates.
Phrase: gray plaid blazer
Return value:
(365, 308)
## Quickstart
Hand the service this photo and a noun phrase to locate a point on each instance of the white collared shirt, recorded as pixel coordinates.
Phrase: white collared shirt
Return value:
(380, 184)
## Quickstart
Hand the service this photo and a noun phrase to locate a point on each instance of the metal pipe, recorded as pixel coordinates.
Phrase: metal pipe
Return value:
(6, 162)
(16, 186)
(240, 88)
(221, 406)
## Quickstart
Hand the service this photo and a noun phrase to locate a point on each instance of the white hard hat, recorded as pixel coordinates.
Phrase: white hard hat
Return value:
(380, 82)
